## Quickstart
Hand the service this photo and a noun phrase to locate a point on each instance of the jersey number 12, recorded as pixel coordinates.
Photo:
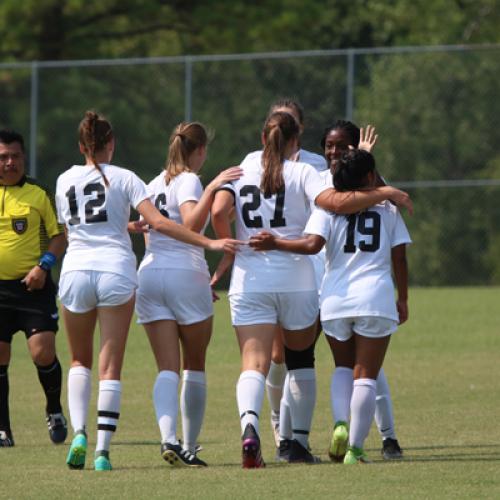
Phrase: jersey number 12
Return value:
(91, 215)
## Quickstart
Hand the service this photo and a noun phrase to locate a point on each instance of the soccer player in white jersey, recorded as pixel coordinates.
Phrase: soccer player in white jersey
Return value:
(98, 276)
(358, 309)
(276, 380)
(337, 139)
(277, 288)
(174, 298)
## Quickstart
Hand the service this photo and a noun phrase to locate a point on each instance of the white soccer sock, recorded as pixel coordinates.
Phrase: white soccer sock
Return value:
(250, 395)
(274, 385)
(108, 412)
(285, 417)
(302, 401)
(362, 410)
(193, 401)
(79, 387)
(165, 399)
(341, 393)
(383, 407)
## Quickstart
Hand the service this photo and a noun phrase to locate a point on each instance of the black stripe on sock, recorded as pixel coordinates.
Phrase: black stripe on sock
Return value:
(300, 431)
(106, 427)
(248, 412)
(109, 414)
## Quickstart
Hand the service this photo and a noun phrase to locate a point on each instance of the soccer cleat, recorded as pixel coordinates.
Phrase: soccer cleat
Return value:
(275, 426)
(177, 457)
(197, 446)
(251, 456)
(101, 462)
(77, 451)
(355, 456)
(6, 439)
(283, 452)
(58, 429)
(338, 445)
(391, 449)
(299, 454)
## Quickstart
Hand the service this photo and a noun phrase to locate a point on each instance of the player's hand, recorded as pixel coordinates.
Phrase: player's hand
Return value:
(402, 307)
(215, 297)
(228, 175)
(263, 241)
(367, 138)
(225, 245)
(138, 226)
(35, 279)
(224, 264)
(400, 198)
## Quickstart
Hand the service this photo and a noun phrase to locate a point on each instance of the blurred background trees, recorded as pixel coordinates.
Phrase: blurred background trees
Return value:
(436, 112)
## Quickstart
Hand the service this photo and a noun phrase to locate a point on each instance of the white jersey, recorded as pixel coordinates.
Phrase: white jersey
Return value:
(318, 259)
(163, 251)
(96, 218)
(358, 278)
(317, 161)
(313, 159)
(284, 214)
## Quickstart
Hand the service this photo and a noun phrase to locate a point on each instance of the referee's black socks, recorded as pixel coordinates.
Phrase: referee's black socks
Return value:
(50, 377)
(4, 399)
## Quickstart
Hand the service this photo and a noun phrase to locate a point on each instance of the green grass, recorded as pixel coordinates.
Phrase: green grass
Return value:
(443, 370)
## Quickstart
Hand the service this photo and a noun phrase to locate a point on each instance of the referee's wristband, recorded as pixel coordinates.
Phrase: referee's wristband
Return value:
(47, 260)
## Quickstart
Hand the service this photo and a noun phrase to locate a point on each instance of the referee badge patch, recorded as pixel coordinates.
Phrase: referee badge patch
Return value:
(20, 225)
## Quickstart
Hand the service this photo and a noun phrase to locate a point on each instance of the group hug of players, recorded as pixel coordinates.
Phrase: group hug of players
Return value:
(313, 234)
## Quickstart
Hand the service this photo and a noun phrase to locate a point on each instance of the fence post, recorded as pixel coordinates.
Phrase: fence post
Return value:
(33, 118)
(188, 89)
(349, 101)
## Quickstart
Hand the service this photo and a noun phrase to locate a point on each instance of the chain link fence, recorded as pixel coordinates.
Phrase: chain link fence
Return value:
(435, 108)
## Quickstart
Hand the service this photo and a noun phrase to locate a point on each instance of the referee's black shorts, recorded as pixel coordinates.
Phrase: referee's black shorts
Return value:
(31, 312)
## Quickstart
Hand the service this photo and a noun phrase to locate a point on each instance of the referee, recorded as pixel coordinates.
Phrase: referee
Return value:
(30, 243)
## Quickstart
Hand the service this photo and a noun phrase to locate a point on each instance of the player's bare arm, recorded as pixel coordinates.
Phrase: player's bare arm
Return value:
(400, 268)
(308, 245)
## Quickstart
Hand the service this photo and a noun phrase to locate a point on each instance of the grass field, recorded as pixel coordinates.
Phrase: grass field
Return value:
(444, 371)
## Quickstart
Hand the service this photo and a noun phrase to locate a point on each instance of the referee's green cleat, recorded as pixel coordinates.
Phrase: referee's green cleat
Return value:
(338, 445)
(355, 456)
(101, 461)
(77, 451)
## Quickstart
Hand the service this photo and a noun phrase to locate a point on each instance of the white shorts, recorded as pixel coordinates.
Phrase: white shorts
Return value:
(367, 326)
(181, 295)
(82, 291)
(292, 310)
(318, 260)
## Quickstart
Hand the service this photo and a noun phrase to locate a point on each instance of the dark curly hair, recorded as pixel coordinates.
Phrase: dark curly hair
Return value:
(352, 170)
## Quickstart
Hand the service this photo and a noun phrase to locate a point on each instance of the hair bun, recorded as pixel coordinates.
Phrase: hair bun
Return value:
(91, 115)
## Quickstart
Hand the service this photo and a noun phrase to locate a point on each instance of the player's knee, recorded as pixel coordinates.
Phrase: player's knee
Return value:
(4, 353)
(295, 360)
(43, 358)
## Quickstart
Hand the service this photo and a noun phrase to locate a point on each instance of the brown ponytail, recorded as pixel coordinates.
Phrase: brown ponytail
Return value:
(185, 139)
(280, 128)
(95, 132)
